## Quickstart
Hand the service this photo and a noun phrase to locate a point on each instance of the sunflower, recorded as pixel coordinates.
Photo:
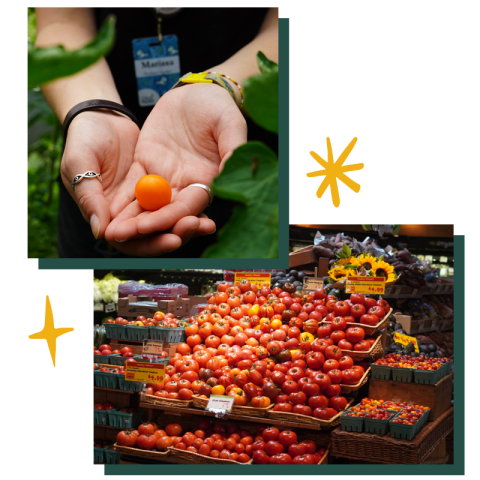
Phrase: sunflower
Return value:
(383, 269)
(366, 261)
(337, 273)
(347, 261)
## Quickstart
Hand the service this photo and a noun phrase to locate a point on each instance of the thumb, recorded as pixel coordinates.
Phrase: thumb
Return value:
(231, 132)
(90, 198)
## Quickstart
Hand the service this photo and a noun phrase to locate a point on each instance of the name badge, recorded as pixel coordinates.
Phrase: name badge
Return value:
(157, 67)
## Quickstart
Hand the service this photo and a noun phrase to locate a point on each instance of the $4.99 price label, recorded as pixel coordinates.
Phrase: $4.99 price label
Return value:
(369, 285)
(144, 372)
(255, 278)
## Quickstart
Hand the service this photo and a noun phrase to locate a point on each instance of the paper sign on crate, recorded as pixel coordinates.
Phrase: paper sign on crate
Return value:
(310, 284)
(368, 285)
(220, 404)
(405, 340)
(144, 372)
(255, 278)
(154, 347)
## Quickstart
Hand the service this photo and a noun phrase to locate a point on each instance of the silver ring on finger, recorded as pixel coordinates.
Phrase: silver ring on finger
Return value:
(206, 188)
(90, 174)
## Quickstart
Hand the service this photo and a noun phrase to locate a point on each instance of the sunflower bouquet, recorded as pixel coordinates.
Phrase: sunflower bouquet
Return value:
(363, 265)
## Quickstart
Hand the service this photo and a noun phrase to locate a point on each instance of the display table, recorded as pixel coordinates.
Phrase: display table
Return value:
(385, 449)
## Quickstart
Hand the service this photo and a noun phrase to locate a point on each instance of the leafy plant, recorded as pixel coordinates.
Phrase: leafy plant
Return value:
(250, 177)
(47, 64)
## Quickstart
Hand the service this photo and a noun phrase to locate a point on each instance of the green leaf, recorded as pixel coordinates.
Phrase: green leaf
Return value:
(264, 64)
(250, 177)
(367, 227)
(396, 229)
(261, 98)
(346, 249)
(32, 25)
(48, 64)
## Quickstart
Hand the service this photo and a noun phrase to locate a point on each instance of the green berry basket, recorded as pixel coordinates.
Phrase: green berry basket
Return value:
(124, 420)
(100, 417)
(423, 419)
(98, 455)
(117, 360)
(447, 368)
(398, 430)
(105, 379)
(129, 386)
(136, 334)
(381, 372)
(154, 360)
(115, 331)
(105, 359)
(380, 427)
(428, 377)
(351, 424)
(168, 335)
(111, 456)
(400, 374)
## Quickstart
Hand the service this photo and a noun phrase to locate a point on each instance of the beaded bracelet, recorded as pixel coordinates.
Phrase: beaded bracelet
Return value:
(233, 81)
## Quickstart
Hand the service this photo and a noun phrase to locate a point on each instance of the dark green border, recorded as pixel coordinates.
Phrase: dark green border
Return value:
(283, 149)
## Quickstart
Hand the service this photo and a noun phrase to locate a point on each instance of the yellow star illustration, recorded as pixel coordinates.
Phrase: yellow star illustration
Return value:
(334, 170)
(49, 332)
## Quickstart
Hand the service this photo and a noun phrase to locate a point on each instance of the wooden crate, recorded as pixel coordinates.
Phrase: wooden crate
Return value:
(437, 397)
(306, 258)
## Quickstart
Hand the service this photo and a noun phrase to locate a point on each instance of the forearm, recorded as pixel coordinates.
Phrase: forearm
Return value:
(244, 64)
(73, 28)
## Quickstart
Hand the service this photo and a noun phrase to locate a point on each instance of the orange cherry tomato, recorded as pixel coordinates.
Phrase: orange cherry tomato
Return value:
(153, 192)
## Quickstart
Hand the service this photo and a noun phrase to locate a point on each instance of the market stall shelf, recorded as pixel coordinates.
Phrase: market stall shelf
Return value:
(199, 402)
(385, 449)
(351, 388)
(137, 452)
(437, 397)
(197, 458)
(375, 351)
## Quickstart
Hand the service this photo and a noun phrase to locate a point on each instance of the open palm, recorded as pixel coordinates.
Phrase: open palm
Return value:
(186, 139)
(104, 142)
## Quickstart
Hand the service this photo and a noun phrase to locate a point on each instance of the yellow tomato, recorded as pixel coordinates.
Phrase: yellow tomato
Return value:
(306, 337)
(276, 324)
(254, 310)
(138, 324)
(218, 390)
(264, 320)
(256, 327)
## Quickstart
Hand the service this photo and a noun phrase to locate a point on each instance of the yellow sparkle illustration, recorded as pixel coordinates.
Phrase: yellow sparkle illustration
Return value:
(49, 332)
(334, 170)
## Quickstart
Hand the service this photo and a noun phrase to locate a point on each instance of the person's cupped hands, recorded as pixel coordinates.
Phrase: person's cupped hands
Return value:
(187, 138)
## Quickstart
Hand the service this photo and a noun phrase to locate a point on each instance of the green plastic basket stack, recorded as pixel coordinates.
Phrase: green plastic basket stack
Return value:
(100, 417)
(124, 420)
(105, 379)
(447, 368)
(136, 334)
(398, 430)
(381, 372)
(400, 374)
(351, 424)
(98, 455)
(115, 331)
(111, 456)
(105, 359)
(380, 427)
(428, 377)
(168, 335)
(129, 386)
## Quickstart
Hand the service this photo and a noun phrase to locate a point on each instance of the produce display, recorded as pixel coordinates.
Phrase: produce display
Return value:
(160, 319)
(407, 361)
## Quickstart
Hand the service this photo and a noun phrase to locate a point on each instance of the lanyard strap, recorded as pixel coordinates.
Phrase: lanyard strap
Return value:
(162, 13)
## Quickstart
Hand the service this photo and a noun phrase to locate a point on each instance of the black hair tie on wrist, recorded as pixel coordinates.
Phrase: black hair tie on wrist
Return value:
(94, 105)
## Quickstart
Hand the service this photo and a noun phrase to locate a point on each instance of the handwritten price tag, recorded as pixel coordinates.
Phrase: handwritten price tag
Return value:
(153, 347)
(220, 404)
(145, 372)
(368, 285)
(310, 284)
(405, 340)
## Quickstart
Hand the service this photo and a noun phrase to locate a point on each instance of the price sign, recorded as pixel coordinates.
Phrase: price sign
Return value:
(310, 284)
(144, 372)
(369, 285)
(255, 278)
(220, 404)
(110, 307)
(405, 340)
(153, 347)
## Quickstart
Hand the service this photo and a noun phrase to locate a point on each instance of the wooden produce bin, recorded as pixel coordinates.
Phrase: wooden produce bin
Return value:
(306, 259)
(438, 397)
(131, 307)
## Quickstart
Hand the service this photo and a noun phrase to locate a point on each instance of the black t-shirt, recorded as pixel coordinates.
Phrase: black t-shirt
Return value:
(206, 37)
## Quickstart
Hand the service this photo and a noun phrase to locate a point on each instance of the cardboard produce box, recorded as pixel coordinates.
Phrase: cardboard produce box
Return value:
(132, 307)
